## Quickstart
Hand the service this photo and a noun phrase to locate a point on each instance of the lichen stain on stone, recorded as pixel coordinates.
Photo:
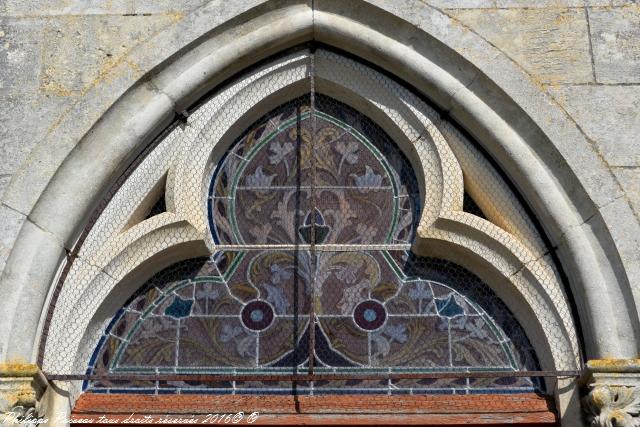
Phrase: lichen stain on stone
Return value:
(22, 395)
(551, 45)
(600, 397)
(175, 17)
(562, 19)
(630, 10)
(76, 60)
(119, 54)
(613, 363)
(48, 84)
(18, 368)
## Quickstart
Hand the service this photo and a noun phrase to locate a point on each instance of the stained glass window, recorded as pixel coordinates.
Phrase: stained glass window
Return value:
(313, 218)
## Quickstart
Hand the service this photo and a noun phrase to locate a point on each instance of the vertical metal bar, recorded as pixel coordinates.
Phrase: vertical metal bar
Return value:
(312, 249)
(296, 251)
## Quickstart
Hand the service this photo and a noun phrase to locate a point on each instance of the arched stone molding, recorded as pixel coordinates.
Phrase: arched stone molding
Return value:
(521, 128)
(110, 252)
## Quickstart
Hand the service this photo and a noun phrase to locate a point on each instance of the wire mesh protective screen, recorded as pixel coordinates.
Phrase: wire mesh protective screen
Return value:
(313, 210)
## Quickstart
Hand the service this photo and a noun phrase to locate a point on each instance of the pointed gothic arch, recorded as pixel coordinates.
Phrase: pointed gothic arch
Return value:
(497, 126)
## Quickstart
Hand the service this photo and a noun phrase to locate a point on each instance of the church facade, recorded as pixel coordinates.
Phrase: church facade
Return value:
(347, 212)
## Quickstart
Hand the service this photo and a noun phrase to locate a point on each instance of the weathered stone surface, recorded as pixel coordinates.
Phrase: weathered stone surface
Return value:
(47, 155)
(473, 4)
(463, 4)
(162, 6)
(212, 15)
(624, 228)
(629, 179)
(609, 116)
(77, 52)
(10, 223)
(612, 384)
(623, 2)
(24, 122)
(539, 3)
(97, 98)
(551, 44)
(67, 7)
(615, 35)
(517, 85)
(20, 55)
(608, 406)
(80, 51)
(41, 244)
(4, 183)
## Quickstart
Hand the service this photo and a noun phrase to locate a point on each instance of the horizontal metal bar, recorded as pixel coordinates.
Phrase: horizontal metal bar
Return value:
(324, 248)
(308, 187)
(311, 377)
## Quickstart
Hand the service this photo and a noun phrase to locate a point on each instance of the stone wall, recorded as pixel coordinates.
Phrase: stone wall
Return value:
(586, 54)
(52, 54)
(57, 53)
(565, 71)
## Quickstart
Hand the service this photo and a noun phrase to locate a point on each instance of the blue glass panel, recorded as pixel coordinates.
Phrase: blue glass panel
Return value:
(179, 308)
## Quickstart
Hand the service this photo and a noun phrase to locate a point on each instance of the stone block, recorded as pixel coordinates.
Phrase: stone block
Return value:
(629, 179)
(624, 229)
(24, 122)
(20, 55)
(10, 223)
(624, 2)
(607, 371)
(539, 3)
(80, 51)
(164, 6)
(4, 183)
(550, 44)
(499, 4)
(463, 4)
(45, 157)
(67, 7)
(615, 36)
(609, 116)
(27, 264)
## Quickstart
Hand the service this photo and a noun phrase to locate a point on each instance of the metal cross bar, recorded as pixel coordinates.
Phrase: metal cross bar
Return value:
(313, 377)
(312, 296)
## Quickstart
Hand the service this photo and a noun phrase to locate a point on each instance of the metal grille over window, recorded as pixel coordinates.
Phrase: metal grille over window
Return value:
(301, 254)
(379, 309)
